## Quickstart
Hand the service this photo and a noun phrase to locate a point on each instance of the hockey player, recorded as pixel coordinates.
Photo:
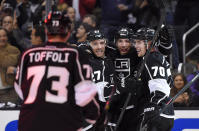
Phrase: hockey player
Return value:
(125, 62)
(103, 71)
(54, 82)
(155, 78)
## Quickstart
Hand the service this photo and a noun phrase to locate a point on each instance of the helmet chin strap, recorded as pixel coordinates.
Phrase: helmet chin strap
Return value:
(146, 44)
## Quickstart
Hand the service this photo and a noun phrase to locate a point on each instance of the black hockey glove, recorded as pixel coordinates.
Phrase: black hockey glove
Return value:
(164, 35)
(164, 38)
(151, 114)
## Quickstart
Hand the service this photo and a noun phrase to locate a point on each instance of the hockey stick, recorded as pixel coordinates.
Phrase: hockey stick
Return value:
(122, 111)
(144, 127)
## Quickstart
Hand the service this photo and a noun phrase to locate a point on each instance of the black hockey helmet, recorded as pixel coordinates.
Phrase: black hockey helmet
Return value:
(123, 33)
(144, 33)
(95, 35)
(57, 23)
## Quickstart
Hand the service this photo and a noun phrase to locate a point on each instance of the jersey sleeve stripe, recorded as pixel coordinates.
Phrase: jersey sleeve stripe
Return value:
(148, 71)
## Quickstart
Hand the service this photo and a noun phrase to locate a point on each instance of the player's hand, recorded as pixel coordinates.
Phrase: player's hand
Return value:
(151, 113)
(164, 35)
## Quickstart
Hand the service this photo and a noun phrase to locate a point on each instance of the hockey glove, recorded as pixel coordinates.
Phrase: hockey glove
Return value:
(164, 35)
(151, 113)
(165, 43)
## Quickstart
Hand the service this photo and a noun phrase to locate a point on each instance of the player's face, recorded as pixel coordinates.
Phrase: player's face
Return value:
(178, 82)
(3, 38)
(123, 45)
(98, 47)
(140, 47)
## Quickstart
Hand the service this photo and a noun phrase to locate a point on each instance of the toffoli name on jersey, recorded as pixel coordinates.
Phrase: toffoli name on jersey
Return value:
(49, 55)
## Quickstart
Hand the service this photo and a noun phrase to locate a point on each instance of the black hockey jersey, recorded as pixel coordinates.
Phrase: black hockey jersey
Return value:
(126, 71)
(103, 72)
(47, 80)
(103, 76)
(156, 77)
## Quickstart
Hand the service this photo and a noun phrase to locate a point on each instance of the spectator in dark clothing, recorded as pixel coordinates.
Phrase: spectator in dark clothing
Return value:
(114, 14)
(147, 12)
(25, 15)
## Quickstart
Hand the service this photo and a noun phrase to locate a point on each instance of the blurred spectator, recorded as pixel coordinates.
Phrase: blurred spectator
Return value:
(5, 9)
(71, 14)
(186, 16)
(15, 36)
(83, 7)
(147, 12)
(62, 6)
(81, 34)
(183, 100)
(195, 86)
(25, 14)
(40, 13)
(114, 14)
(8, 57)
(68, 2)
(12, 3)
(38, 35)
(90, 19)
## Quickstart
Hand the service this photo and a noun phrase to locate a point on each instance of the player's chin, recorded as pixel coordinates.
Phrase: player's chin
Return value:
(139, 55)
(99, 54)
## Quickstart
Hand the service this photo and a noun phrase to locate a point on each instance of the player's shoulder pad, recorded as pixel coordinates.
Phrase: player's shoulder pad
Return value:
(155, 58)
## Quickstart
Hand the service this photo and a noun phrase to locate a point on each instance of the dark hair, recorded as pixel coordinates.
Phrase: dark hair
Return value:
(40, 31)
(93, 18)
(87, 27)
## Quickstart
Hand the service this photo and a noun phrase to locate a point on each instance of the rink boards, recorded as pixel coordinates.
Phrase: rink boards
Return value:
(186, 120)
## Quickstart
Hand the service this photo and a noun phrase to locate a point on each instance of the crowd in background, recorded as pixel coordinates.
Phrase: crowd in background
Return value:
(21, 28)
